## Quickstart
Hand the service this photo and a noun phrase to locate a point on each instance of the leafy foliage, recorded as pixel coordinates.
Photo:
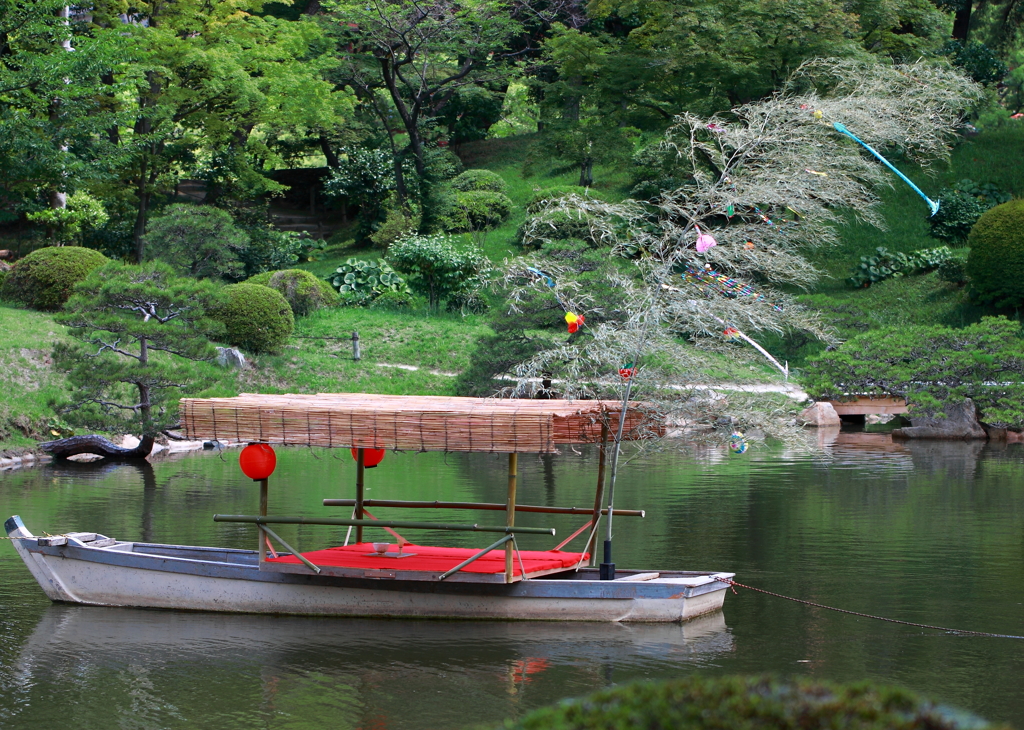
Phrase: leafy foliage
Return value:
(545, 196)
(361, 282)
(995, 264)
(480, 180)
(304, 291)
(886, 264)
(438, 268)
(977, 60)
(474, 210)
(960, 208)
(930, 366)
(270, 249)
(256, 318)
(198, 240)
(82, 212)
(579, 217)
(703, 703)
(139, 330)
(954, 269)
(366, 177)
(45, 278)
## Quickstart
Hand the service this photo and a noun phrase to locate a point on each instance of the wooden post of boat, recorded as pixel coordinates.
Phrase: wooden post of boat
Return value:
(360, 472)
(263, 513)
(510, 512)
(598, 497)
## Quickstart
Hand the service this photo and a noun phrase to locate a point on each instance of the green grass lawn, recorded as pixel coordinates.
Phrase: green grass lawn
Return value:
(27, 379)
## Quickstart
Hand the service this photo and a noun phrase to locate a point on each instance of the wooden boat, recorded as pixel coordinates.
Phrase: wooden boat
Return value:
(396, 579)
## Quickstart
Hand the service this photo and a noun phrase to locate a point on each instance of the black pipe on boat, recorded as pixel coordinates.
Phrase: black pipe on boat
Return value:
(607, 567)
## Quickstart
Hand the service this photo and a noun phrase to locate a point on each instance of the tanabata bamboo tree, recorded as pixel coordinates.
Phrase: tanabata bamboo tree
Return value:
(138, 332)
(767, 181)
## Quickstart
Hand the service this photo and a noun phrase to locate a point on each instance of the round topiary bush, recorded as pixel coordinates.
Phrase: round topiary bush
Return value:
(476, 210)
(701, 703)
(305, 293)
(995, 264)
(256, 318)
(44, 279)
(472, 180)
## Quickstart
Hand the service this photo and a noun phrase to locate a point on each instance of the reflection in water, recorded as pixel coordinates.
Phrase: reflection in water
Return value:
(923, 531)
(161, 665)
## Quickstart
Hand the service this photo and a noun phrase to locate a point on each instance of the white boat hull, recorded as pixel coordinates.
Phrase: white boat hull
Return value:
(207, 579)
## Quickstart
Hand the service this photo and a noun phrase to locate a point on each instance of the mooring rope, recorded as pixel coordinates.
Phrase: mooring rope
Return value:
(944, 629)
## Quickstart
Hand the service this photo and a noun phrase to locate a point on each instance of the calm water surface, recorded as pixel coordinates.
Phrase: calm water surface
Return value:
(932, 533)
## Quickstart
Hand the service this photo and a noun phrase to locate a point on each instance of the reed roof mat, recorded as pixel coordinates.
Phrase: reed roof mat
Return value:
(413, 423)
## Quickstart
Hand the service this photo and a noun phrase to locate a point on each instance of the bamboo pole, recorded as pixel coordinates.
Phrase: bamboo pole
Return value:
(464, 563)
(360, 474)
(510, 512)
(263, 513)
(484, 506)
(598, 497)
(301, 520)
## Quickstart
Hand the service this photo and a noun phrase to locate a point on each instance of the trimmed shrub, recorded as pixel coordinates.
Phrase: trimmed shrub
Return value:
(475, 210)
(256, 318)
(954, 270)
(45, 278)
(704, 703)
(995, 264)
(305, 293)
(360, 282)
(480, 180)
(389, 300)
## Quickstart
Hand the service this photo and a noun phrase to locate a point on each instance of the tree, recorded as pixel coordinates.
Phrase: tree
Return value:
(52, 113)
(713, 258)
(422, 55)
(138, 331)
(198, 241)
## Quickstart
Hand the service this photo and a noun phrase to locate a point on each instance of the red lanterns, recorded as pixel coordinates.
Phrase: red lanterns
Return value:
(371, 457)
(258, 461)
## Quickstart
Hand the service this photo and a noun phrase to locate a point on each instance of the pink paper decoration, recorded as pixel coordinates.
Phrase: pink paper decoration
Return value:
(704, 241)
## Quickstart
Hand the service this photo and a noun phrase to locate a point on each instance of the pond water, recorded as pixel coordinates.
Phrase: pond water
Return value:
(925, 532)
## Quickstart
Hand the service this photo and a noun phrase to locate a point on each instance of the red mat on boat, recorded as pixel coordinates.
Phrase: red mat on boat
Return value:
(436, 559)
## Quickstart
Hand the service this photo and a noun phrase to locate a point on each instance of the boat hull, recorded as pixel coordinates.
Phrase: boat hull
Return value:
(224, 580)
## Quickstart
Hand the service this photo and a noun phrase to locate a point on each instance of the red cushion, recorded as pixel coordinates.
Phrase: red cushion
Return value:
(436, 559)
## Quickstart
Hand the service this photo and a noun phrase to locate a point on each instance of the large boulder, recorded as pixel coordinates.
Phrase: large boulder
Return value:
(961, 422)
(819, 414)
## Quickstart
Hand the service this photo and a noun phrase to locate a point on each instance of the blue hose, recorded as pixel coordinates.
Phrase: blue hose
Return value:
(932, 204)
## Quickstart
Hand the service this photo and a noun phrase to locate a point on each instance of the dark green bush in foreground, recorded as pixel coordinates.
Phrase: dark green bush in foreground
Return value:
(930, 366)
(257, 318)
(304, 291)
(749, 703)
(475, 210)
(44, 279)
(995, 264)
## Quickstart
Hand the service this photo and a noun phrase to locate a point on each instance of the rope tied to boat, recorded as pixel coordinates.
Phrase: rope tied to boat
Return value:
(962, 632)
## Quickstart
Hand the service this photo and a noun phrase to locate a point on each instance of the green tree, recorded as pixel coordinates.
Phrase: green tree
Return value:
(198, 240)
(138, 332)
(421, 56)
(53, 114)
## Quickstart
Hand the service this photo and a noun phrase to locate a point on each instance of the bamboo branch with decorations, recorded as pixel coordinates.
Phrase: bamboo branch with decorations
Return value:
(766, 182)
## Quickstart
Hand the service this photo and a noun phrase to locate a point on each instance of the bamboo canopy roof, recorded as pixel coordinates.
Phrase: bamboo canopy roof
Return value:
(414, 423)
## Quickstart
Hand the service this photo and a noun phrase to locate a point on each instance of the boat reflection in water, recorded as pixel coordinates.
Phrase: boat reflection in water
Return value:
(167, 668)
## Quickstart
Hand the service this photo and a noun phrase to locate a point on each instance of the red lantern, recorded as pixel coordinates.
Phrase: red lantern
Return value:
(258, 461)
(371, 457)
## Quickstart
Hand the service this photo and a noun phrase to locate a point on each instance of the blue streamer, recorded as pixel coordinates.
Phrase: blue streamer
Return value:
(932, 204)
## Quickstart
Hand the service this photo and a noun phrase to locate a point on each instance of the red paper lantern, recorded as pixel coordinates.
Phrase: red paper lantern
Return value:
(258, 461)
(371, 457)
